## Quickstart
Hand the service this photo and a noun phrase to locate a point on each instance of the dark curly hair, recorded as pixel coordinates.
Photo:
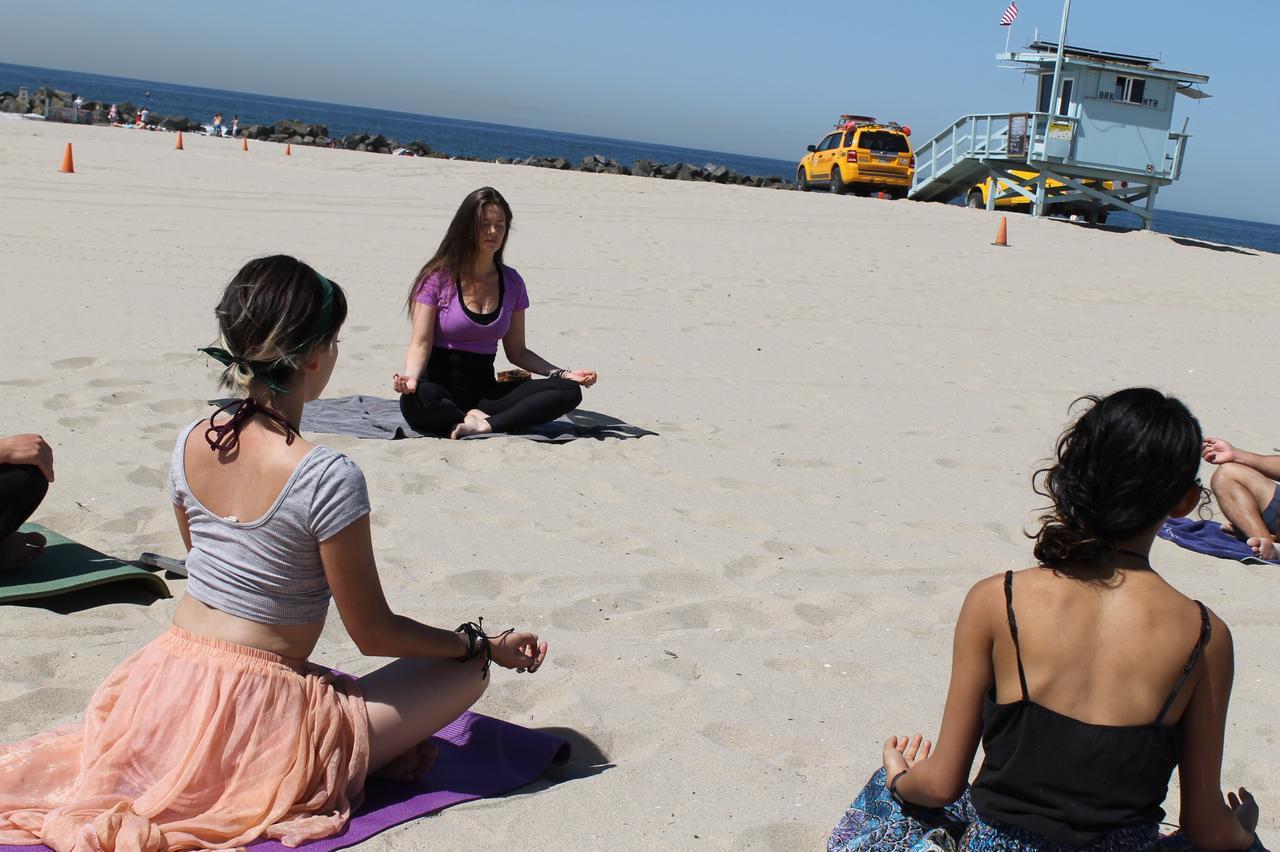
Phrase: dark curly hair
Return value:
(1121, 467)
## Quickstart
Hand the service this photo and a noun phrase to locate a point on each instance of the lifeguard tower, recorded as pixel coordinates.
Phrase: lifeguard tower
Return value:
(1111, 122)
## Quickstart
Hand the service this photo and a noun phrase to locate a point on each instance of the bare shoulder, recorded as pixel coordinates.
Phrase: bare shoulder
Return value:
(1221, 647)
(985, 600)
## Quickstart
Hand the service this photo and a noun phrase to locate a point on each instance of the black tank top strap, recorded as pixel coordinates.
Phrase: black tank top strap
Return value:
(1196, 653)
(1013, 631)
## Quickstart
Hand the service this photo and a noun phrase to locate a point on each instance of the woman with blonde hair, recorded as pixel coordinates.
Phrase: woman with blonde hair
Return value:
(220, 732)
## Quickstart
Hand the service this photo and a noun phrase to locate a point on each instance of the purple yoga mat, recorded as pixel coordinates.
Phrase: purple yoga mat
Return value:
(479, 757)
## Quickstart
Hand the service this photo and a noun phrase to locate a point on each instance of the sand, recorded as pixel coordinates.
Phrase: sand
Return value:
(850, 396)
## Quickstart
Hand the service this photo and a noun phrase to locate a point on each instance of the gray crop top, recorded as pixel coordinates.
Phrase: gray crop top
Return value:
(268, 570)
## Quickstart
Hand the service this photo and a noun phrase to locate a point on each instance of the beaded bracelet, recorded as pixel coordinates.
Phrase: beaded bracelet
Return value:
(557, 373)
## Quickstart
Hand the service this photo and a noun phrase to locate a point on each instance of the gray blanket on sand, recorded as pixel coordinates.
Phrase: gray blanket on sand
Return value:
(375, 417)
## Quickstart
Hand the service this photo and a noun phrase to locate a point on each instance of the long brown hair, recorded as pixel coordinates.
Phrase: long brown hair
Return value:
(459, 247)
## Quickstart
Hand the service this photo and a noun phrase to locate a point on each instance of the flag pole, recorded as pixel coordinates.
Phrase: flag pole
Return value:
(1054, 108)
(1007, 32)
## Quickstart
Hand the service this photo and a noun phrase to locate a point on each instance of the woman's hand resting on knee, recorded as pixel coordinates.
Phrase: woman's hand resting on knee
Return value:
(586, 378)
(519, 651)
(404, 384)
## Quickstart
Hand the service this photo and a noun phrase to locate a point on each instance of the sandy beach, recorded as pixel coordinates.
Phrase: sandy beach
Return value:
(849, 396)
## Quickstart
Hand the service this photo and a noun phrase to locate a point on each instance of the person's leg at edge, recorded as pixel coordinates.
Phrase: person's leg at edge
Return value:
(22, 488)
(408, 701)
(431, 409)
(525, 404)
(1244, 495)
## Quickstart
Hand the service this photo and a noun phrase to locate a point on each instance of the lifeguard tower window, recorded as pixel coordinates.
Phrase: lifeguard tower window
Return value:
(1130, 89)
(879, 140)
(1046, 90)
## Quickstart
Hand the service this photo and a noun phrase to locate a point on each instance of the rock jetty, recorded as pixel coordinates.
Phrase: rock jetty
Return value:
(293, 132)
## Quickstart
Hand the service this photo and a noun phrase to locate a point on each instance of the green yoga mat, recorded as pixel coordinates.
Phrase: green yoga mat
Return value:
(67, 566)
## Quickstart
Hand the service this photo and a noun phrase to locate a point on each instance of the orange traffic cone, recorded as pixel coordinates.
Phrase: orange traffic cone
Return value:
(288, 150)
(68, 164)
(178, 147)
(1002, 233)
(244, 145)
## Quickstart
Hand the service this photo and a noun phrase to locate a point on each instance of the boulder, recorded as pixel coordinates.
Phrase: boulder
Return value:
(9, 103)
(719, 174)
(643, 168)
(353, 141)
(173, 122)
(684, 171)
(293, 127)
(258, 132)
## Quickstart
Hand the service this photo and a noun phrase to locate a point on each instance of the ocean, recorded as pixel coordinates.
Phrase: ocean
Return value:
(460, 137)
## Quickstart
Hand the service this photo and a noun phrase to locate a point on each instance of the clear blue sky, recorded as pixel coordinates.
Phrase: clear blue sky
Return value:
(743, 77)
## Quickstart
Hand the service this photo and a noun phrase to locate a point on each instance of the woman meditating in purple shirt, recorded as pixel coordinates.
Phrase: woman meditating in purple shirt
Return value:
(463, 301)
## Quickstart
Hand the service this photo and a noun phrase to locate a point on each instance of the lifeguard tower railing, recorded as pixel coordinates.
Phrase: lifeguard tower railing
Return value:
(991, 146)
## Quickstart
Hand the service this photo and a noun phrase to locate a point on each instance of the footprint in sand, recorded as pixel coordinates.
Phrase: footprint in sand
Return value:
(149, 477)
(595, 613)
(74, 363)
(173, 406)
(482, 582)
(123, 397)
(117, 382)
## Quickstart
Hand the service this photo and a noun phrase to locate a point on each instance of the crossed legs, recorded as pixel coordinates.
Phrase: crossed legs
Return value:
(408, 701)
(1249, 500)
(22, 487)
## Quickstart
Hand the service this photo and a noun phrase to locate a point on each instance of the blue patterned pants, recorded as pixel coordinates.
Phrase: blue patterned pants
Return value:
(875, 821)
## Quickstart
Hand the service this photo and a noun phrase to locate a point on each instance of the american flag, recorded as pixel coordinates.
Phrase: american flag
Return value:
(1010, 14)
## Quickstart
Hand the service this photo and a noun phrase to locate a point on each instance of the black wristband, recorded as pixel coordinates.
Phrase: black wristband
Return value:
(893, 786)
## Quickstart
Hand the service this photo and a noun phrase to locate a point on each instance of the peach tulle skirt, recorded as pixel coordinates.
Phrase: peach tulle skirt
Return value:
(193, 743)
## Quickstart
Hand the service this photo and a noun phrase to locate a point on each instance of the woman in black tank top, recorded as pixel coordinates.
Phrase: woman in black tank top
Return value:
(1087, 679)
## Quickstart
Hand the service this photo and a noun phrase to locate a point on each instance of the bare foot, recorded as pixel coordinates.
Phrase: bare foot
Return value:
(1228, 528)
(1263, 548)
(476, 423)
(19, 549)
(411, 765)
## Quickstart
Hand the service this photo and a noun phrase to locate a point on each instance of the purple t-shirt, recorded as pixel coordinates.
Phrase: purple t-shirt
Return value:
(456, 330)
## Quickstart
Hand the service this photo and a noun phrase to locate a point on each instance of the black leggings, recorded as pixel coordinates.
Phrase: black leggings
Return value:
(511, 406)
(22, 487)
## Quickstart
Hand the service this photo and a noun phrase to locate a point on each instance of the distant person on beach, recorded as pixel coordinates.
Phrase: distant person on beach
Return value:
(220, 732)
(1086, 678)
(462, 302)
(26, 469)
(217, 124)
(235, 125)
(113, 115)
(144, 116)
(1248, 493)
